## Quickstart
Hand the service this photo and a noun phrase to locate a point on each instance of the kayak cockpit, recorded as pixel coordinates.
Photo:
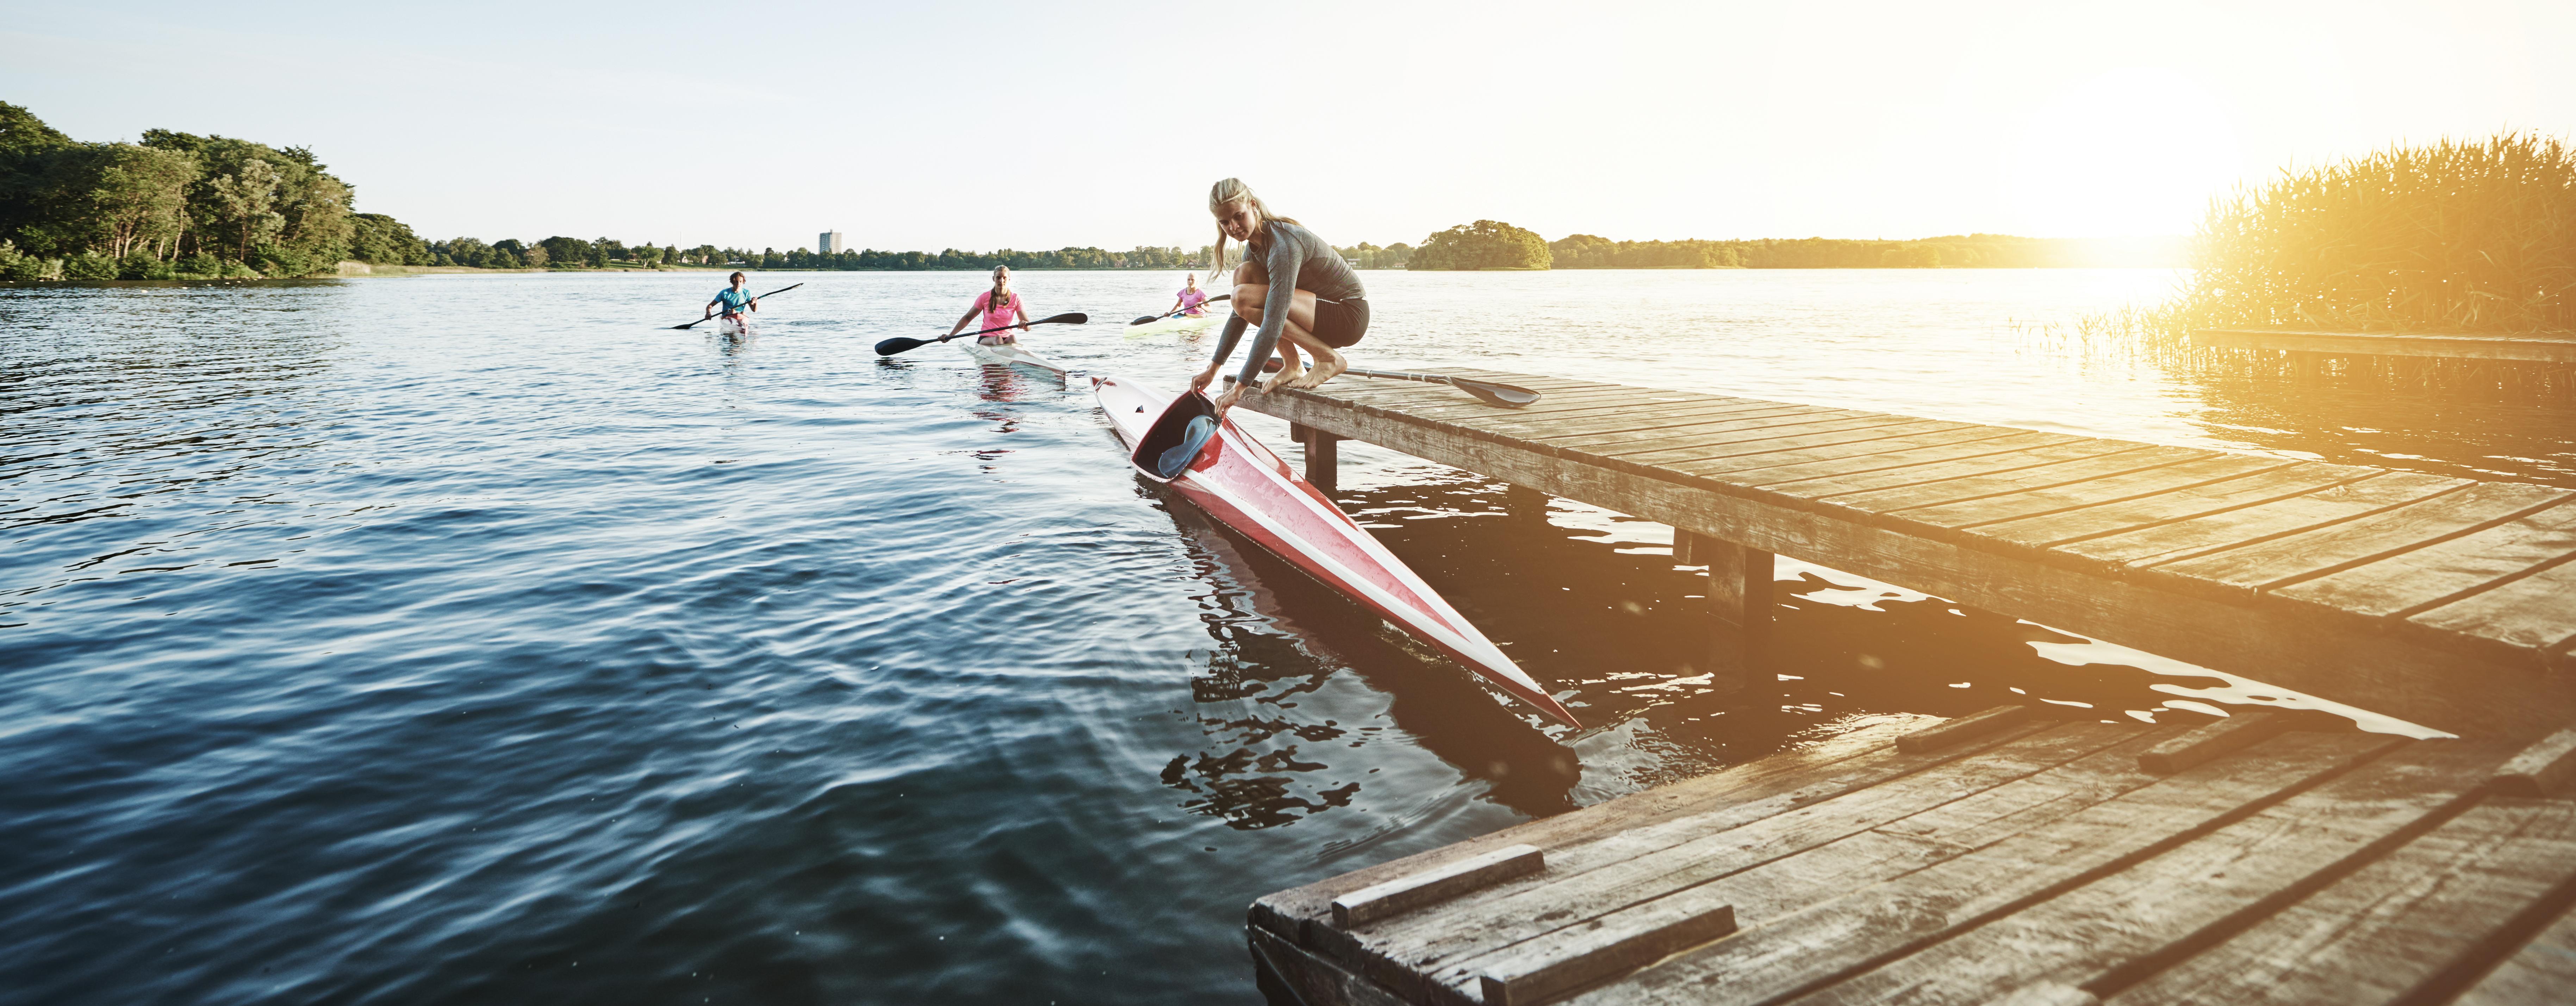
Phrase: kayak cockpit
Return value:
(1178, 439)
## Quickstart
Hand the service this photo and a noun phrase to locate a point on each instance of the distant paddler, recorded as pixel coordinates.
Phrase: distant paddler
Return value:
(1294, 284)
(1000, 307)
(736, 300)
(1190, 299)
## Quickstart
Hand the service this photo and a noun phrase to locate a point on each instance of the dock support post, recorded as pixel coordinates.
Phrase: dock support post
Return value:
(1739, 598)
(1323, 455)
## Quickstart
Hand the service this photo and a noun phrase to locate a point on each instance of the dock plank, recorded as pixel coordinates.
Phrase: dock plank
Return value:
(2436, 573)
(1719, 434)
(2298, 556)
(2215, 883)
(2533, 612)
(1960, 443)
(1854, 438)
(1453, 944)
(1752, 436)
(2540, 973)
(1942, 492)
(2140, 486)
(1821, 484)
(1818, 945)
(2100, 520)
(1545, 430)
(2377, 935)
(2214, 532)
(1781, 781)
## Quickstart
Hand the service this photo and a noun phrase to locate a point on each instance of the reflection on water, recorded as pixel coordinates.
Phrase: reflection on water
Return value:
(480, 639)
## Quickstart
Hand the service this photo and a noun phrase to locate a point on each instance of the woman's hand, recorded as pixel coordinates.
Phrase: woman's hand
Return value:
(1233, 394)
(1204, 378)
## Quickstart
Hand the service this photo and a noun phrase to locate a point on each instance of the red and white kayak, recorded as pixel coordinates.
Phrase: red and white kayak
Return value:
(1244, 486)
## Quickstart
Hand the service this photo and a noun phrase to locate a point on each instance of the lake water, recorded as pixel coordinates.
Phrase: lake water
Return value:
(475, 639)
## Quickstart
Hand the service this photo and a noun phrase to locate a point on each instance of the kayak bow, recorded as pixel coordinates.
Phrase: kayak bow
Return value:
(1008, 353)
(1247, 488)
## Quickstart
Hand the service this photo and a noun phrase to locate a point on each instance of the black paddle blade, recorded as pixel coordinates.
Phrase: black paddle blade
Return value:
(899, 344)
(1147, 318)
(1067, 318)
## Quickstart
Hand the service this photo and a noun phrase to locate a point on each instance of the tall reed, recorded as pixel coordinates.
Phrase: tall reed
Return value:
(2455, 236)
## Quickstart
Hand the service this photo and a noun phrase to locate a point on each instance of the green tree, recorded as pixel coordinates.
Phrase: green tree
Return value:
(383, 240)
(1485, 244)
(141, 198)
(566, 252)
(244, 207)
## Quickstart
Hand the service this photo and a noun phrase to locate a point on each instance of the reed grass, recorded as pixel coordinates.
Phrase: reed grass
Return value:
(2455, 236)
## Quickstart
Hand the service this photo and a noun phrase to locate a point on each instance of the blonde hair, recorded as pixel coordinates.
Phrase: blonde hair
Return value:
(1227, 193)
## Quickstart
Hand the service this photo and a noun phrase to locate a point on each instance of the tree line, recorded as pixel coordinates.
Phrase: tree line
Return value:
(172, 204)
(1492, 244)
(179, 206)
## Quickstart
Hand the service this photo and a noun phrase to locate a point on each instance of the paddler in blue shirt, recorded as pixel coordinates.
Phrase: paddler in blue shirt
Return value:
(735, 300)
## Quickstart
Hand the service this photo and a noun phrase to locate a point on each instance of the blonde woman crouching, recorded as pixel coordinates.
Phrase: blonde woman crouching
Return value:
(1294, 284)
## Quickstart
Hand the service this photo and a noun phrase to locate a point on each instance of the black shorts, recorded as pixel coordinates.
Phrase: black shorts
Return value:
(1340, 324)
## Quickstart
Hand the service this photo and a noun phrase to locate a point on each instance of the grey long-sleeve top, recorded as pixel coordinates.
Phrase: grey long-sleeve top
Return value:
(1297, 260)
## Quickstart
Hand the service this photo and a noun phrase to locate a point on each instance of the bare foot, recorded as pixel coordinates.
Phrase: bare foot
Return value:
(1287, 377)
(1325, 369)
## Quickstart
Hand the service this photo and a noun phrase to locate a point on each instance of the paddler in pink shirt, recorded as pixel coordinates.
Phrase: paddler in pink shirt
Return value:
(1000, 307)
(1191, 298)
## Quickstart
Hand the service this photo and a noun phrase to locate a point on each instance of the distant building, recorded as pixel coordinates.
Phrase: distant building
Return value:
(831, 243)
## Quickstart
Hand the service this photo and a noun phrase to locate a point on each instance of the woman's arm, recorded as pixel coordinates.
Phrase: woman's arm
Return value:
(1020, 309)
(963, 319)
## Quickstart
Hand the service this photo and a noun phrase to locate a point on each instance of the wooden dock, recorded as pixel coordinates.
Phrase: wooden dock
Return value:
(2557, 347)
(2443, 601)
(2002, 858)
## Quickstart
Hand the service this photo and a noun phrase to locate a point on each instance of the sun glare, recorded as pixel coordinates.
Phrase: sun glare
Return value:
(2128, 152)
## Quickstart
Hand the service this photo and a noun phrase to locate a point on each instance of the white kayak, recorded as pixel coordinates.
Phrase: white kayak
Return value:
(1010, 353)
(1175, 323)
(1244, 486)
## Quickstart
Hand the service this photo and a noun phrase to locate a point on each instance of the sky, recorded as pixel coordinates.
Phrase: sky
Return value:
(1043, 125)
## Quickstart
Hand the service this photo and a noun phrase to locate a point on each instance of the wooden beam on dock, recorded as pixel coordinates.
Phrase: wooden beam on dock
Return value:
(1323, 456)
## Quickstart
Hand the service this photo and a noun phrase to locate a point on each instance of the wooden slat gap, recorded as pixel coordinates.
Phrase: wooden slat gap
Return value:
(2540, 770)
(2304, 529)
(2112, 981)
(2311, 491)
(2457, 596)
(2462, 532)
(2001, 433)
(2130, 449)
(2098, 871)
(2464, 972)
(2089, 504)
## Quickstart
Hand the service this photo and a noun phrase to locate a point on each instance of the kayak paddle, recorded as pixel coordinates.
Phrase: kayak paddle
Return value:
(713, 317)
(1158, 317)
(1509, 396)
(899, 344)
